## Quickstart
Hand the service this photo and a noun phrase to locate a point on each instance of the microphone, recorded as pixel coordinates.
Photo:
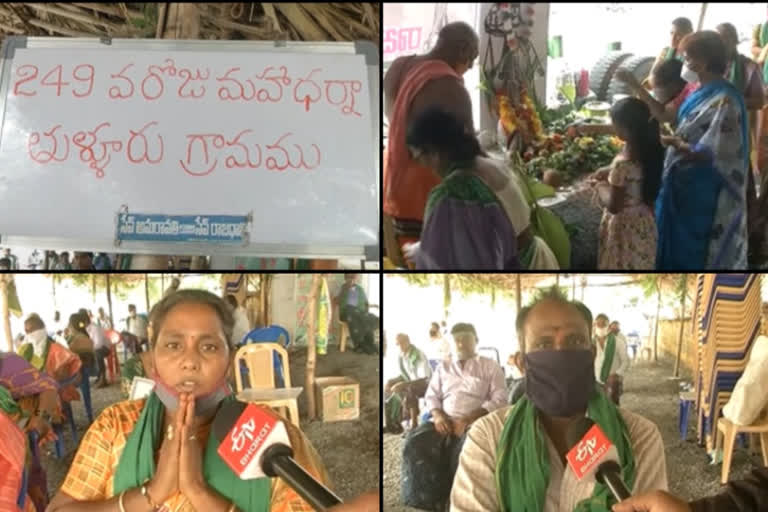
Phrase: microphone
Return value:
(254, 443)
(594, 456)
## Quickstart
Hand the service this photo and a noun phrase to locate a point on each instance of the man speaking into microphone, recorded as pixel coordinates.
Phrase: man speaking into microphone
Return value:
(514, 459)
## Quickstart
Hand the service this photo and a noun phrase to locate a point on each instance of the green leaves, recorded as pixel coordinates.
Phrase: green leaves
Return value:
(544, 223)
(548, 226)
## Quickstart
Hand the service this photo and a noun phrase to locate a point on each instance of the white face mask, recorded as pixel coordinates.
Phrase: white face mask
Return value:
(601, 331)
(689, 75)
(37, 339)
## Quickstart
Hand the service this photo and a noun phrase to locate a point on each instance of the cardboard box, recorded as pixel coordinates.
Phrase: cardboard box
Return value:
(338, 398)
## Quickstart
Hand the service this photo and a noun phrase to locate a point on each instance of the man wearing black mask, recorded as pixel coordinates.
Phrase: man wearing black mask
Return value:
(514, 457)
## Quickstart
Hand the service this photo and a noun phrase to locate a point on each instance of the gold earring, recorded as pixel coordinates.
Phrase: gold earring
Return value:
(169, 434)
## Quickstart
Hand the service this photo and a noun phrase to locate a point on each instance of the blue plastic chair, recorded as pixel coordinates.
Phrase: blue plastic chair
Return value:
(269, 334)
(66, 408)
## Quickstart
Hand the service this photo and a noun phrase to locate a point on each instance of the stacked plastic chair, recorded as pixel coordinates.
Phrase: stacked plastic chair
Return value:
(728, 311)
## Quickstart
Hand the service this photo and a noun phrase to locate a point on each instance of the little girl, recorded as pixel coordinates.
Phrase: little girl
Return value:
(628, 229)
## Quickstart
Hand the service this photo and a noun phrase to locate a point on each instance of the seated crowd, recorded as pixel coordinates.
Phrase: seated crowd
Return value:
(478, 444)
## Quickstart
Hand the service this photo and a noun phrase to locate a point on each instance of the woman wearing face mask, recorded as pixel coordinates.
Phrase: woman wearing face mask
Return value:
(514, 458)
(140, 455)
(669, 90)
(681, 27)
(701, 209)
(46, 355)
(29, 399)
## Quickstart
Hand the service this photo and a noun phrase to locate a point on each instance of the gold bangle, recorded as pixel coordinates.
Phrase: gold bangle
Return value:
(120, 502)
(145, 493)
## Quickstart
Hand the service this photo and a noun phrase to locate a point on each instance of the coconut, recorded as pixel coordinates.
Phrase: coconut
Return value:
(552, 178)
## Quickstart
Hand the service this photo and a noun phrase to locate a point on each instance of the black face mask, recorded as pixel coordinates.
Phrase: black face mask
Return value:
(560, 382)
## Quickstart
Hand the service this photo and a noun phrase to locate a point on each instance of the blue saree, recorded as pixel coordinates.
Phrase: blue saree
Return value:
(701, 207)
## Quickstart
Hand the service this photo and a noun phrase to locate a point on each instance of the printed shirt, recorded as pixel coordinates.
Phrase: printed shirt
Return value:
(459, 391)
(474, 487)
(91, 475)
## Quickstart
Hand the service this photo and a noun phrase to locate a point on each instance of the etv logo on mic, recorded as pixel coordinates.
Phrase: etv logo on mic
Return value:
(585, 456)
(255, 430)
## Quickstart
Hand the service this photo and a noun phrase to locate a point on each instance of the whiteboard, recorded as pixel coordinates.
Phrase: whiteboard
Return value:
(282, 136)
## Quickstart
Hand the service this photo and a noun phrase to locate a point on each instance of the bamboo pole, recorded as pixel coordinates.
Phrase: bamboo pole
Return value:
(4, 310)
(309, 380)
(109, 302)
(146, 290)
(93, 287)
(682, 325)
(658, 313)
(519, 302)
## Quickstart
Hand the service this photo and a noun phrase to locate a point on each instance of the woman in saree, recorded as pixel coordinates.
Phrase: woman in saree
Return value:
(155, 452)
(53, 358)
(681, 27)
(701, 209)
(30, 398)
(477, 217)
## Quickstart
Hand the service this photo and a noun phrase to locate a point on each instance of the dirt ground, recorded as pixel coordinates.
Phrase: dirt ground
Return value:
(647, 391)
(338, 443)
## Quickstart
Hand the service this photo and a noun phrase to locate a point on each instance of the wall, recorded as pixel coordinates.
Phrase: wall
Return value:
(669, 331)
(539, 39)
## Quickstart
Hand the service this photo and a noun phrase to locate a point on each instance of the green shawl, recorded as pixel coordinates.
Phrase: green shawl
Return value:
(736, 75)
(137, 463)
(28, 352)
(763, 42)
(672, 54)
(7, 404)
(610, 351)
(413, 357)
(522, 466)
(461, 184)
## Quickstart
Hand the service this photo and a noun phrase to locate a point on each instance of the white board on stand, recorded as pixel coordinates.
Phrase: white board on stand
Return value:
(191, 147)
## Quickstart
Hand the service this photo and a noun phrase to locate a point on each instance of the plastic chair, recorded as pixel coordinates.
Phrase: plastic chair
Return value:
(66, 408)
(261, 374)
(686, 401)
(729, 431)
(113, 363)
(269, 334)
(343, 336)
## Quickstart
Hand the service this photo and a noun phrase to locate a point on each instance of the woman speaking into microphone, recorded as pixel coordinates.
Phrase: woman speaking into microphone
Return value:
(157, 453)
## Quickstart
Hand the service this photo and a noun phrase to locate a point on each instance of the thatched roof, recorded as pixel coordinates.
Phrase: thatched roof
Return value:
(507, 283)
(224, 21)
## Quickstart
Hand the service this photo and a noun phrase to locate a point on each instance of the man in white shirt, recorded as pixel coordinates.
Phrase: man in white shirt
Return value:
(101, 348)
(612, 360)
(438, 347)
(402, 393)
(514, 457)
(137, 325)
(242, 325)
(461, 390)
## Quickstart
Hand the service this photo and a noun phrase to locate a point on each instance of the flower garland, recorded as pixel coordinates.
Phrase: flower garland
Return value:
(521, 117)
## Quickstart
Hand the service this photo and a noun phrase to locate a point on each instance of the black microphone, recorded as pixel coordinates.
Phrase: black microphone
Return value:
(254, 443)
(603, 463)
